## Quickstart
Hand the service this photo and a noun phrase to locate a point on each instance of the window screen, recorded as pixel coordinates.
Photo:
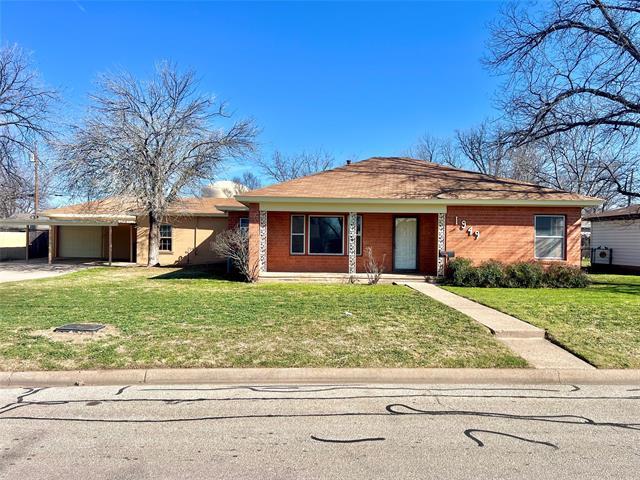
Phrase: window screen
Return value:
(166, 242)
(297, 234)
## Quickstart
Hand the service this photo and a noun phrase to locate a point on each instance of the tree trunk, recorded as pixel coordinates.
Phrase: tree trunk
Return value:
(154, 241)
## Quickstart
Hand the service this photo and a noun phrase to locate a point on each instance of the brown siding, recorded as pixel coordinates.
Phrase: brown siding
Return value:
(192, 240)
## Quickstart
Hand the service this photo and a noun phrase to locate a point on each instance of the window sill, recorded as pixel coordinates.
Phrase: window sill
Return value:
(165, 252)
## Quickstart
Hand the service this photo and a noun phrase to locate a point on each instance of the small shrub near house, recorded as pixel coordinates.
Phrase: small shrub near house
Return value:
(462, 273)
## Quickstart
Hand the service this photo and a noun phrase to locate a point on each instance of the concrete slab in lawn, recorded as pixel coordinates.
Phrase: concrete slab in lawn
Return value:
(523, 338)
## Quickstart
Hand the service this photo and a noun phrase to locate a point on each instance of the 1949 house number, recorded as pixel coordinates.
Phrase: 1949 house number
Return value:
(470, 231)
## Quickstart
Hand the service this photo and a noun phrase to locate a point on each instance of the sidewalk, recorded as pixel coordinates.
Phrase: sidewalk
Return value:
(527, 341)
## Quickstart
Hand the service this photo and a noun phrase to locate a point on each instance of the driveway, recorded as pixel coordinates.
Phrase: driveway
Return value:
(320, 431)
(19, 270)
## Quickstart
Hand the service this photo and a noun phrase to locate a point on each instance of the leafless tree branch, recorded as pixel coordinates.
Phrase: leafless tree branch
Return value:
(150, 140)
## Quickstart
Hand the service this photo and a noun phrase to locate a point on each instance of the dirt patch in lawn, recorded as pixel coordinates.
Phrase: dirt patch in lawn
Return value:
(78, 338)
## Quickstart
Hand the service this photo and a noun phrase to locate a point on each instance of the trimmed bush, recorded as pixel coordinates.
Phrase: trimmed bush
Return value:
(564, 276)
(524, 275)
(462, 273)
(491, 274)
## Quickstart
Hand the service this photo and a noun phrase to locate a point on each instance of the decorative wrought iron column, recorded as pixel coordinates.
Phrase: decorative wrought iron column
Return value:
(263, 241)
(442, 217)
(353, 226)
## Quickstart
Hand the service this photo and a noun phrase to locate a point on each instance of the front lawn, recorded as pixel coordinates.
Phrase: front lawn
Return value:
(173, 318)
(601, 323)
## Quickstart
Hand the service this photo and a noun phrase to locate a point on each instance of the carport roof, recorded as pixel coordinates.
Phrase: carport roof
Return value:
(123, 208)
(23, 222)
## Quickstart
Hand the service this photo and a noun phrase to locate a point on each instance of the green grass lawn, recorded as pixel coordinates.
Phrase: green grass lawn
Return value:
(174, 318)
(601, 322)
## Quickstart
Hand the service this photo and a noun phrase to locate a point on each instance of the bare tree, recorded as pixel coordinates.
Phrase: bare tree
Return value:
(437, 150)
(573, 64)
(150, 140)
(575, 161)
(282, 168)
(25, 117)
(485, 148)
(233, 244)
(247, 181)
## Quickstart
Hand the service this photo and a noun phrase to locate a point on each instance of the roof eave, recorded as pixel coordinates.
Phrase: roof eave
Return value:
(92, 216)
(234, 208)
(584, 202)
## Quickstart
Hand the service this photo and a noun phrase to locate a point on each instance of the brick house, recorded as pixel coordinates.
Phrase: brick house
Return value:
(410, 213)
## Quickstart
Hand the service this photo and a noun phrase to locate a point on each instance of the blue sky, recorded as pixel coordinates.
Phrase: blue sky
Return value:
(356, 79)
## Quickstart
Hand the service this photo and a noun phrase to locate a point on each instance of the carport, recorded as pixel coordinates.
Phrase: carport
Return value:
(85, 238)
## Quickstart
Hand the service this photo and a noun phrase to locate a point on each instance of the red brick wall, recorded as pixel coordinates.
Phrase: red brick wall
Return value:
(507, 233)
(234, 218)
(377, 232)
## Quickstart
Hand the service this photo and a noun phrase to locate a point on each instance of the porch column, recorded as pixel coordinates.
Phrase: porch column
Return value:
(263, 241)
(352, 233)
(442, 217)
(132, 243)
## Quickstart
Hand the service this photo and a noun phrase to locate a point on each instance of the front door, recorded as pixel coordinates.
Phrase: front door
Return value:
(405, 249)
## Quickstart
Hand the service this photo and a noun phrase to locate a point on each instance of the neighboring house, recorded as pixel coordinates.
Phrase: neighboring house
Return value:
(617, 231)
(13, 239)
(116, 229)
(410, 213)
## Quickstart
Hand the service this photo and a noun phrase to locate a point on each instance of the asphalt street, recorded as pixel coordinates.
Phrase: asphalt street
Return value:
(320, 431)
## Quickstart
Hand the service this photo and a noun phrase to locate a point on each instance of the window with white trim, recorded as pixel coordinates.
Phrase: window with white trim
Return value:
(166, 238)
(297, 234)
(550, 237)
(359, 235)
(326, 235)
(244, 224)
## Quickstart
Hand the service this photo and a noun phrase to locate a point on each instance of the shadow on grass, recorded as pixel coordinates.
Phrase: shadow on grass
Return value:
(212, 272)
(625, 288)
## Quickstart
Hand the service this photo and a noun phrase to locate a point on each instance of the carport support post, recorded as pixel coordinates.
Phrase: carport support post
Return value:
(52, 231)
(110, 243)
(26, 248)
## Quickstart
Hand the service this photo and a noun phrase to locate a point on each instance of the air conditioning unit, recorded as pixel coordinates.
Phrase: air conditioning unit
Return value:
(601, 255)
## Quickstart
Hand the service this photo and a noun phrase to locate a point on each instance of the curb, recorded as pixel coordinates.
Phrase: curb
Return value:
(320, 375)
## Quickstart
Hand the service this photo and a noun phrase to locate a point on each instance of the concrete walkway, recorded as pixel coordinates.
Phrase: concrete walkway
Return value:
(527, 341)
(19, 270)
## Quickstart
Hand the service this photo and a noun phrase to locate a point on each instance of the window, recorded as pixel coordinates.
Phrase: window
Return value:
(359, 235)
(244, 224)
(297, 234)
(549, 237)
(326, 235)
(165, 238)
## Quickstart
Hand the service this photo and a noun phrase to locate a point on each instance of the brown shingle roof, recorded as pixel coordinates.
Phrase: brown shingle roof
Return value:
(125, 206)
(630, 212)
(405, 178)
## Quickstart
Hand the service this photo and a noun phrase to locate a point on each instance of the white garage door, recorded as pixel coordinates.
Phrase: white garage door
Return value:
(80, 242)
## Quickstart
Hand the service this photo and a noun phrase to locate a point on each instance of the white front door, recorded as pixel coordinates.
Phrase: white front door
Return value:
(406, 244)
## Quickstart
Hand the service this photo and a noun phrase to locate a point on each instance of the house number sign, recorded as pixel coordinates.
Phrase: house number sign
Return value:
(470, 231)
